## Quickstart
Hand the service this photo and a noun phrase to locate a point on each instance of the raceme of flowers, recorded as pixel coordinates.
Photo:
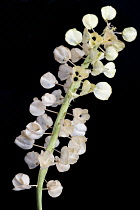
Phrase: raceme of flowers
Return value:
(89, 49)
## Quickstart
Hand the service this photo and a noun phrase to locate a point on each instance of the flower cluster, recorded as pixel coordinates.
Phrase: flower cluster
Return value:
(90, 48)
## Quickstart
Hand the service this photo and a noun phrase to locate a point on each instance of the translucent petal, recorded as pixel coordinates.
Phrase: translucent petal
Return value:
(108, 12)
(81, 148)
(61, 167)
(64, 155)
(24, 142)
(76, 54)
(80, 72)
(31, 159)
(47, 141)
(80, 115)
(62, 54)
(129, 34)
(59, 97)
(65, 71)
(48, 80)
(37, 108)
(21, 182)
(102, 91)
(54, 188)
(86, 36)
(111, 53)
(34, 130)
(97, 68)
(67, 84)
(109, 70)
(85, 87)
(79, 130)
(46, 159)
(66, 128)
(73, 37)
(45, 121)
(119, 45)
(90, 21)
(73, 155)
(48, 99)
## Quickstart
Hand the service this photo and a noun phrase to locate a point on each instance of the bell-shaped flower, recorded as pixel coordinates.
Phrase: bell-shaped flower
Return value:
(79, 130)
(44, 121)
(86, 36)
(47, 141)
(108, 13)
(48, 99)
(102, 90)
(48, 80)
(78, 142)
(73, 37)
(111, 53)
(129, 34)
(62, 54)
(80, 115)
(87, 87)
(95, 55)
(65, 71)
(59, 97)
(90, 21)
(98, 68)
(24, 142)
(37, 108)
(60, 166)
(54, 188)
(80, 73)
(66, 128)
(109, 70)
(68, 155)
(21, 182)
(34, 130)
(76, 54)
(119, 45)
(31, 159)
(46, 159)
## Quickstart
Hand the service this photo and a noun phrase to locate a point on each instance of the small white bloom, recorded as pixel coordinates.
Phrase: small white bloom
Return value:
(59, 97)
(73, 155)
(109, 70)
(48, 99)
(60, 166)
(97, 68)
(31, 159)
(24, 142)
(108, 13)
(46, 159)
(80, 115)
(111, 53)
(62, 54)
(47, 141)
(129, 34)
(21, 182)
(54, 188)
(79, 130)
(66, 128)
(37, 108)
(78, 142)
(102, 91)
(73, 37)
(65, 71)
(48, 80)
(90, 21)
(45, 121)
(34, 130)
(76, 54)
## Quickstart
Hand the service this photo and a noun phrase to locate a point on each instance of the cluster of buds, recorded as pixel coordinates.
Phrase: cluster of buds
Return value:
(77, 64)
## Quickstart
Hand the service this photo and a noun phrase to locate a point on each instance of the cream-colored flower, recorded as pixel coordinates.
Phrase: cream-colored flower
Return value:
(68, 155)
(129, 34)
(24, 142)
(66, 128)
(109, 70)
(21, 182)
(73, 37)
(80, 115)
(62, 54)
(78, 142)
(90, 21)
(34, 130)
(111, 53)
(102, 90)
(108, 13)
(54, 188)
(65, 71)
(45, 121)
(46, 159)
(59, 97)
(37, 108)
(87, 87)
(60, 166)
(97, 68)
(80, 73)
(76, 54)
(48, 80)
(48, 99)
(31, 159)
(79, 129)
(47, 141)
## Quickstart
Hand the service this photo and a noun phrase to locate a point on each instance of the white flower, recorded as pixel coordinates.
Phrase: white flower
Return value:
(47, 141)
(59, 97)
(80, 115)
(65, 71)
(45, 121)
(46, 159)
(73, 37)
(111, 53)
(102, 91)
(31, 159)
(54, 188)
(37, 108)
(34, 130)
(76, 54)
(68, 155)
(78, 142)
(62, 54)
(48, 80)
(60, 166)
(66, 128)
(21, 182)
(79, 130)
(90, 21)
(48, 99)
(108, 13)
(86, 36)
(87, 87)
(109, 70)
(129, 34)
(24, 142)
(97, 68)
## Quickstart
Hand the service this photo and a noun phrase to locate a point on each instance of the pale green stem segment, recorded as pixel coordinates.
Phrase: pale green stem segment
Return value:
(55, 132)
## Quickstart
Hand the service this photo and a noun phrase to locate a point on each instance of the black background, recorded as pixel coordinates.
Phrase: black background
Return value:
(106, 176)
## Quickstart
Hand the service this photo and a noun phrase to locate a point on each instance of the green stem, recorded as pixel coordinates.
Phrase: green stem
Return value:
(55, 132)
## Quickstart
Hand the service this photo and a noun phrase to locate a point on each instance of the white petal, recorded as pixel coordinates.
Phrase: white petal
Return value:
(111, 53)
(102, 90)
(21, 182)
(86, 36)
(46, 159)
(109, 70)
(79, 130)
(34, 130)
(73, 37)
(54, 188)
(45, 121)
(97, 68)
(24, 142)
(62, 54)
(59, 97)
(47, 141)
(108, 12)
(64, 72)
(129, 34)
(37, 108)
(64, 155)
(48, 99)
(90, 21)
(76, 54)
(48, 80)
(61, 167)
(31, 159)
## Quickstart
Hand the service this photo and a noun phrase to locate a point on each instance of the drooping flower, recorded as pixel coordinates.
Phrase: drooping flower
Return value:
(46, 159)
(68, 155)
(59, 97)
(80, 115)
(54, 188)
(90, 21)
(66, 128)
(37, 108)
(34, 130)
(73, 37)
(102, 90)
(62, 54)
(129, 34)
(24, 142)
(78, 142)
(87, 87)
(79, 129)
(65, 72)
(111, 53)
(109, 70)
(47, 141)
(44, 121)
(48, 80)
(60, 166)
(76, 54)
(108, 13)
(97, 68)
(21, 182)
(48, 99)
(31, 159)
